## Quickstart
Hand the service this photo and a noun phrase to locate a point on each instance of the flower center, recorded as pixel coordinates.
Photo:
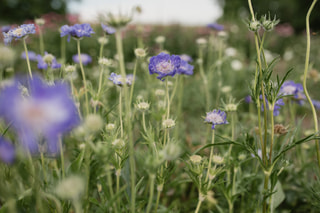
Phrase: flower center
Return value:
(18, 31)
(289, 90)
(215, 118)
(165, 67)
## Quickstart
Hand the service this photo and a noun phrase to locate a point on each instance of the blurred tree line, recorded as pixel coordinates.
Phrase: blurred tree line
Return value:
(288, 11)
(17, 11)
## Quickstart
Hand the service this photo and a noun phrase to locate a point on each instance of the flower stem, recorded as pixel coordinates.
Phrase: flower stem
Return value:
(157, 201)
(168, 99)
(152, 177)
(133, 81)
(41, 42)
(198, 206)
(27, 57)
(62, 158)
(83, 77)
(306, 67)
(210, 157)
(43, 168)
(204, 78)
(272, 133)
(144, 122)
(120, 113)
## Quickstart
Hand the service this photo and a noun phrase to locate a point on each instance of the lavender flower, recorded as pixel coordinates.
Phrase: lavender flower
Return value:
(21, 32)
(277, 106)
(316, 104)
(185, 68)
(76, 31)
(216, 117)
(295, 89)
(85, 58)
(248, 99)
(7, 151)
(186, 58)
(164, 65)
(5, 28)
(47, 60)
(39, 113)
(32, 56)
(107, 29)
(215, 26)
(119, 80)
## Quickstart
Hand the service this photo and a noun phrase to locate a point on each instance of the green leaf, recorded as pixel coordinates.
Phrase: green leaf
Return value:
(277, 197)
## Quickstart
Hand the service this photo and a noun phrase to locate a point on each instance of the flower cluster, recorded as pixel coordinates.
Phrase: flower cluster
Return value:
(40, 113)
(216, 117)
(21, 32)
(215, 26)
(185, 68)
(119, 80)
(48, 60)
(76, 31)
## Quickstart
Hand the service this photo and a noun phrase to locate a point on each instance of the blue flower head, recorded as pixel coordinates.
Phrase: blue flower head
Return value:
(185, 68)
(76, 31)
(294, 89)
(32, 56)
(5, 28)
(164, 65)
(216, 117)
(46, 61)
(85, 58)
(107, 29)
(7, 151)
(39, 113)
(215, 26)
(18, 33)
(248, 99)
(186, 58)
(277, 106)
(119, 80)
(316, 104)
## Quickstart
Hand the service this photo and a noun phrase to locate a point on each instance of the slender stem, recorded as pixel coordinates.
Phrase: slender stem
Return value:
(198, 206)
(41, 42)
(83, 77)
(63, 49)
(87, 170)
(204, 78)
(272, 133)
(27, 57)
(306, 68)
(175, 88)
(43, 168)
(62, 158)
(100, 81)
(144, 122)
(210, 158)
(120, 113)
(101, 50)
(168, 99)
(152, 177)
(265, 188)
(118, 173)
(133, 81)
(157, 201)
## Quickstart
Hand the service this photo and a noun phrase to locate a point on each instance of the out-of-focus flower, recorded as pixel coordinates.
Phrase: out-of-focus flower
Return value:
(103, 40)
(284, 30)
(93, 123)
(5, 28)
(140, 52)
(160, 39)
(230, 52)
(185, 68)
(186, 58)
(215, 26)
(277, 106)
(70, 188)
(85, 58)
(107, 29)
(254, 25)
(105, 62)
(48, 60)
(7, 56)
(76, 31)
(18, 33)
(248, 99)
(32, 56)
(7, 151)
(119, 80)
(316, 104)
(143, 106)
(70, 68)
(236, 65)
(201, 41)
(164, 65)
(40, 21)
(216, 117)
(168, 123)
(118, 21)
(39, 111)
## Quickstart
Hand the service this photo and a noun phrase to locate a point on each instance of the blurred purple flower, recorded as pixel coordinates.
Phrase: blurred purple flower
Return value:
(5, 28)
(277, 106)
(107, 29)
(316, 104)
(216, 117)
(39, 112)
(215, 26)
(47, 60)
(119, 80)
(164, 65)
(18, 33)
(7, 151)
(85, 59)
(186, 58)
(77, 31)
(185, 68)
(248, 99)
(32, 56)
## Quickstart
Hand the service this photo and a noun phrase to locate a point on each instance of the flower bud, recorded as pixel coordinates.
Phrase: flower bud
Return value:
(93, 123)
(110, 126)
(160, 39)
(143, 106)
(105, 62)
(39, 21)
(140, 53)
(103, 40)
(70, 68)
(70, 188)
(254, 25)
(195, 159)
(168, 123)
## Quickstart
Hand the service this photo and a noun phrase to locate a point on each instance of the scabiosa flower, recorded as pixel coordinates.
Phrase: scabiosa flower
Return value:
(185, 68)
(5, 28)
(76, 31)
(215, 26)
(85, 59)
(316, 104)
(277, 106)
(164, 65)
(119, 80)
(290, 88)
(186, 58)
(216, 117)
(21, 32)
(32, 56)
(107, 29)
(7, 151)
(47, 60)
(40, 113)
(248, 99)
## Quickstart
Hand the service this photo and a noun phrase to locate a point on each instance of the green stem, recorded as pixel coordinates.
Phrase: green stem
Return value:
(63, 49)
(198, 206)
(27, 57)
(168, 99)
(41, 42)
(100, 81)
(118, 173)
(152, 177)
(175, 88)
(204, 78)
(133, 81)
(210, 158)
(83, 77)
(272, 133)
(62, 158)
(306, 67)
(265, 188)
(144, 122)
(120, 113)
(157, 201)
(87, 170)
(43, 168)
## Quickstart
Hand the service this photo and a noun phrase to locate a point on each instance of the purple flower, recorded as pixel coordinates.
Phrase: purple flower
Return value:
(216, 117)
(277, 106)
(215, 26)
(316, 104)
(185, 68)
(119, 80)
(5, 28)
(7, 151)
(39, 112)
(295, 89)
(186, 58)
(18, 33)
(164, 65)
(76, 31)
(107, 29)
(248, 99)
(85, 59)
(32, 56)
(47, 60)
